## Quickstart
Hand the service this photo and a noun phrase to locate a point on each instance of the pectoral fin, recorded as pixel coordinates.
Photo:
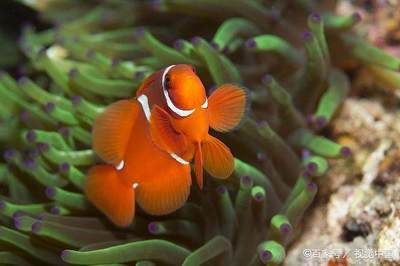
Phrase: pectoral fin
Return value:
(163, 133)
(226, 107)
(218, 159)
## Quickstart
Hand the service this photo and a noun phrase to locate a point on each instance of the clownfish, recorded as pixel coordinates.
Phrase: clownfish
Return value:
(148, 142)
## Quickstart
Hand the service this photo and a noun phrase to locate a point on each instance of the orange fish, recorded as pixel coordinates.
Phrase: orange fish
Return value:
(149, 141)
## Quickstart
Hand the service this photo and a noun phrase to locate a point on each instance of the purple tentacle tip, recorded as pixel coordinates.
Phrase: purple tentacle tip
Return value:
(311, 186)
(64, 167)
(155, 4)
(24, 116)
(267, 79)
(356, 17)
(50, 192)
(64, 131)
(139, 32)
(250, 43)
(195, 40)
(2, 204)
(21, 72)
(17, 222)
(49, 107)
(307, 36)
(138, 75)
(152, 227)
(214, 45)
(259, 197)
(36, 226)
(55, 210)
(246, 180)
(306, 174)
(310, 119)
(315, 17)
(262, 157)
(265, 256)
(29, 163)
(17, 214)
(115, 62)
(305, 154)
(76, 99)
(64, 255)
(34, 153)
(22, 80)
(221, 189)
(320, 122)
(346, 152)
(9, 154)
(178, 44)
(43, 147)
(30, 136)
(285, 229)
(312, 167)
(73, 73)
(262, 123)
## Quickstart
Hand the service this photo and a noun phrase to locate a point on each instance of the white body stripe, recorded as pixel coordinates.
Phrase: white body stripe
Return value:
(120, 166)
(135, 185)
(178, 159)
(145, 106)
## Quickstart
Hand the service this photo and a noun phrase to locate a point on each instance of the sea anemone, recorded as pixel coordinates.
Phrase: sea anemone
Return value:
(292, 57)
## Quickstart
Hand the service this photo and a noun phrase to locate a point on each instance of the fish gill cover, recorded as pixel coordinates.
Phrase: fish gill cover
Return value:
(290, 55)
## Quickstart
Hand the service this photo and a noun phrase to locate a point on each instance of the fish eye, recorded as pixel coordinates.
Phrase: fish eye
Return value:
(167, 82)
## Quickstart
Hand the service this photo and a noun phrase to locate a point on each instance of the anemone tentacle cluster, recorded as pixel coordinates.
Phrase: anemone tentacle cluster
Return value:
(291, 59)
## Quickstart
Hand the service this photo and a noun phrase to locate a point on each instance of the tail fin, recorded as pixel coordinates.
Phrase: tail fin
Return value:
(110, 195)
(198, 165)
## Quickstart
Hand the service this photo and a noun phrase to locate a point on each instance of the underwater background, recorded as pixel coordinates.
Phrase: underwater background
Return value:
(64, 61)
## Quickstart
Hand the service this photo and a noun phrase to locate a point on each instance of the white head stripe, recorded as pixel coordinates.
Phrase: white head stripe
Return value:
(170, 104)
(205, 104)
(145, 105)
(135, 185)
(164, 75)
(120, 166)
(178, 159)
(175, 109)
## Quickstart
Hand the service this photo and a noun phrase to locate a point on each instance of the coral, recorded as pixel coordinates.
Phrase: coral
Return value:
(99, 51)
(356, 211)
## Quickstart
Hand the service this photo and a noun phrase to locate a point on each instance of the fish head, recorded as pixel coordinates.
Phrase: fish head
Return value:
(185, 89)
(186, 101)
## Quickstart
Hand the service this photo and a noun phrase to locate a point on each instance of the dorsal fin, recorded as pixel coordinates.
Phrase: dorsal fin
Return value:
(112, 130)
(148, 82)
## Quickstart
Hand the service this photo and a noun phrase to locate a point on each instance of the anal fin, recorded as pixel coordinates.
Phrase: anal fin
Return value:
(167, 191)
(218, 159)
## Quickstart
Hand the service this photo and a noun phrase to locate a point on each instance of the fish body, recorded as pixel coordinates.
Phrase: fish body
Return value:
(148, 143)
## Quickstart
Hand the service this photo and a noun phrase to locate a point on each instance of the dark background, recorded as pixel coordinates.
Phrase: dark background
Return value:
(13, 17)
